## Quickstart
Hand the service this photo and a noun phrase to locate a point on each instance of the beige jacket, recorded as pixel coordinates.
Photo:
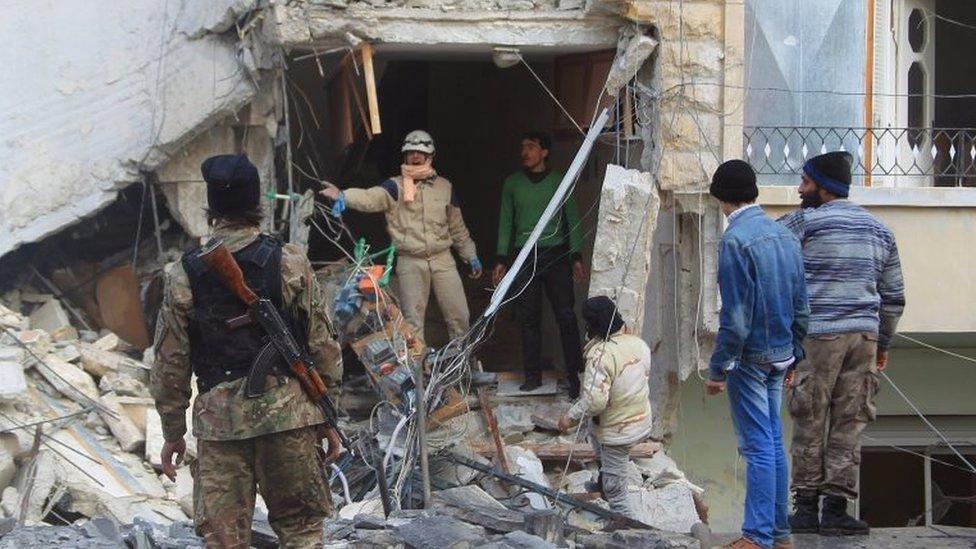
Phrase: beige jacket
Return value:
(615, 388)
(429, 225)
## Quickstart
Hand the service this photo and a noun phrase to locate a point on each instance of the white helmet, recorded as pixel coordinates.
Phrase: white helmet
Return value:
(418, 140)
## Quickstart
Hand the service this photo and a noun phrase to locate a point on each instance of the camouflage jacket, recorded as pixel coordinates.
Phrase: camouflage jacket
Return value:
(224, 412)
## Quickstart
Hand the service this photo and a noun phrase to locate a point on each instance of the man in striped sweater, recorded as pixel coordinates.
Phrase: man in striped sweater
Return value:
(857, 295)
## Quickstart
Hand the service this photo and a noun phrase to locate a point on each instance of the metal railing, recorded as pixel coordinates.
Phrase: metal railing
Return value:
(943, 157)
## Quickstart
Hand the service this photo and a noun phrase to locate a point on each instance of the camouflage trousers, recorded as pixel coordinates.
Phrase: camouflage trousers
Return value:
(284, 468)
(831, 400)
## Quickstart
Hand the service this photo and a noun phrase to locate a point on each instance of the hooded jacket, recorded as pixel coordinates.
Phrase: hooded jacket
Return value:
(615, 389)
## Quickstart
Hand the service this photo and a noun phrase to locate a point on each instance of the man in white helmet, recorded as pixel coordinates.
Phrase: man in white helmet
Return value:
(424, 220)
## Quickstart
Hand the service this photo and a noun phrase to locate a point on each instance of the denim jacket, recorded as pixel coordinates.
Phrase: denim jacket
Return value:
(765, 311)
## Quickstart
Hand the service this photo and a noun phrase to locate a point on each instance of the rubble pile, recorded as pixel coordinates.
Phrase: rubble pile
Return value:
(80, 441)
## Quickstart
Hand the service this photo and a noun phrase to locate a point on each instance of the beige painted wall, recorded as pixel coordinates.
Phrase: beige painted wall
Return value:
(935, 230)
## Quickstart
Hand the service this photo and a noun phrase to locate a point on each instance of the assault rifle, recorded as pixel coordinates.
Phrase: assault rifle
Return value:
(281, 342)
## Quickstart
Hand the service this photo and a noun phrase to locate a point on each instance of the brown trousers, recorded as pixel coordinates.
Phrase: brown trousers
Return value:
(284, 467)
(415, 278)
(831, 400)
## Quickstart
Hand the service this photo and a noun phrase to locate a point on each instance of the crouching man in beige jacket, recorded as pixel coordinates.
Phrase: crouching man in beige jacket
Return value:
(615, 392)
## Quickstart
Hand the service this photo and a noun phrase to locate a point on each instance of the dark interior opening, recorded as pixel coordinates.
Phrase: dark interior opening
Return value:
(476, 113)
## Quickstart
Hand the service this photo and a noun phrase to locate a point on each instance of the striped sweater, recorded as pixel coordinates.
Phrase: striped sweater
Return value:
(853, 273)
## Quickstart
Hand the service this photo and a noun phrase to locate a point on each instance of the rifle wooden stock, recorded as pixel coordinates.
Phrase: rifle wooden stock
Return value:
(221, 263)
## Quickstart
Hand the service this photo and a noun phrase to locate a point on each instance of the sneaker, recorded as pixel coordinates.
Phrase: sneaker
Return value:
(743, 543)
(783, 543)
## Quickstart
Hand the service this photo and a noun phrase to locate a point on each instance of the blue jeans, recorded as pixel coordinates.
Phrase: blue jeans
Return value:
(755, 395)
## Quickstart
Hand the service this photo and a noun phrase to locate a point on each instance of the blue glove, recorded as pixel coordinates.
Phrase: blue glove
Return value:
(475, 263)
(339, 205)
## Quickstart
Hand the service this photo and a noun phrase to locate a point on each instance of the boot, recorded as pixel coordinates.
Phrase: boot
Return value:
(806, 512)
(836, 521)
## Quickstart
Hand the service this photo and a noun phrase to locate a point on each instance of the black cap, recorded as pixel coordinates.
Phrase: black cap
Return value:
(734, 182)
(832, 171)
(233, 184)
(601, 316)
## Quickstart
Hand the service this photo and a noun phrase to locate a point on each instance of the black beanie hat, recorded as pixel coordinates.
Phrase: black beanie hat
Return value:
(734, 182)
(832, 171)
(233, 184)
(601, 317)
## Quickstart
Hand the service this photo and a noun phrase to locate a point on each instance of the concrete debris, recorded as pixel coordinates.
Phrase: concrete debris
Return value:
(9, 501)
(153, 433)
(629, 206)
(99, 362)
(109, 342)
(13, 383)
(671, 508)
(661, 471)
(525, 464)
(123, 385)
(129, 436)
(68, 379)
(632, 51)
(10, 319)
(8, 469)
(50, 317)
(644, 539)
(112, 469)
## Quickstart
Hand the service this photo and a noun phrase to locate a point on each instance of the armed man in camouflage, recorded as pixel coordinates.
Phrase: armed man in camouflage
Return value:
(271, 443)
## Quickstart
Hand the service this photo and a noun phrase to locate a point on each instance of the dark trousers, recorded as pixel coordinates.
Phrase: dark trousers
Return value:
(554, 276)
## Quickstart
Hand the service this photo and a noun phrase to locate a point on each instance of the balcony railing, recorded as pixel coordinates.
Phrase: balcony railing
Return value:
(944, 157)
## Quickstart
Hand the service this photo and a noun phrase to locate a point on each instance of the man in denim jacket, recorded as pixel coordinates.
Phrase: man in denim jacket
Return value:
(762, 324)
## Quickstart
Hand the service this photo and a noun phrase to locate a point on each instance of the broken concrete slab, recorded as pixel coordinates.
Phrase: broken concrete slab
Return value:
(440, 532)
(154, 437)
(632, 51)
(68, 379)
(69, 352)
(627, 220)
(7, 468)
(50, 317)
(9, 501)
(108, 342)
(36, 482)
(524, 463)
(472, 504)
(514, 419)
(644, 539)
(136, 408)
(123, 385)
(520, 540)
(671, 508)
(367, 506)
(660, 470)
(13, 383)
(99, 362)
(130, 438)
(13, 320)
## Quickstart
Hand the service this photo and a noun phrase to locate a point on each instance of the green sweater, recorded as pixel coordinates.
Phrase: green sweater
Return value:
(522, 205)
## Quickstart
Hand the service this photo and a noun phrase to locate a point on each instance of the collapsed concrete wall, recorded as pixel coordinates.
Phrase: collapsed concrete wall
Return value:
(109, 92)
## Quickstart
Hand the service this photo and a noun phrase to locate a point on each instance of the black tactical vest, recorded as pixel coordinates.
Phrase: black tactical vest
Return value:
(218, 353)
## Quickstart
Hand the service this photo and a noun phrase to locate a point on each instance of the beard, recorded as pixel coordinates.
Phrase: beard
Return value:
(811, 199)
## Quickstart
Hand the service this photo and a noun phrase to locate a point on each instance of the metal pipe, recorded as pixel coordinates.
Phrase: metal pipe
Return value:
(422, 432)
(554, 205)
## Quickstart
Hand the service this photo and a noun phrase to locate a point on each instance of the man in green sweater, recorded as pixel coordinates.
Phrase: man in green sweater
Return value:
(551, 269)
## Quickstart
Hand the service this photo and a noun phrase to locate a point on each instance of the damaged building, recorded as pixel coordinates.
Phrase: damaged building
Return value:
(100, 186)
